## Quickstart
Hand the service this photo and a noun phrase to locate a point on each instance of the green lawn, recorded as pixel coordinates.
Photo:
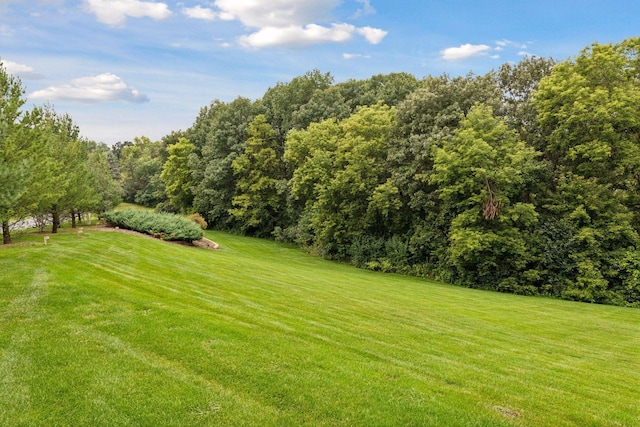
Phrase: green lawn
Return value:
(123, 206)
(112, 329)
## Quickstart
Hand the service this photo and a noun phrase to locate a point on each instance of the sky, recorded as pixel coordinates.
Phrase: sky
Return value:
(129, 68)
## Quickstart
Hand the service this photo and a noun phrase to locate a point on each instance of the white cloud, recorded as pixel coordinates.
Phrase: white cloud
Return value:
(277, 13)
(293, 23)
(102, 88)
(21, 70)
(465, 51)
(115, 12)
(295, 36)
(200, 12)
(208, 14)
(373, 35)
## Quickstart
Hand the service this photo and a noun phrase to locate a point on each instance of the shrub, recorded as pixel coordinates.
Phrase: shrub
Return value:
(198, 219)
(366, 248)
(397, 251)
(161, 225)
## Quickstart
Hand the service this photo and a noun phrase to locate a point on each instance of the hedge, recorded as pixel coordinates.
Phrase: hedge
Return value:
(165, 226)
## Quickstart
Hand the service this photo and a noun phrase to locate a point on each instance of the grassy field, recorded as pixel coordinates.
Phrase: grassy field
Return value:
(123, 206)
(111, 329)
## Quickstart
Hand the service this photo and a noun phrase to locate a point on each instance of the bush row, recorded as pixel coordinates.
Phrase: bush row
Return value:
(161, 225)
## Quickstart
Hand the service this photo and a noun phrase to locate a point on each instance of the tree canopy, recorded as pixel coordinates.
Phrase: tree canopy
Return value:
(525, 179)
(46, 168)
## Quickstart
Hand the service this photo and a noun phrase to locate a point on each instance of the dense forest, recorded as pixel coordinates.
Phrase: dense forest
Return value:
(523, 180)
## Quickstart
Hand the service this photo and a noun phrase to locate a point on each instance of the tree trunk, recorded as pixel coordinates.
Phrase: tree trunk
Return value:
(55, 219)
(6, 234)
(73, 218)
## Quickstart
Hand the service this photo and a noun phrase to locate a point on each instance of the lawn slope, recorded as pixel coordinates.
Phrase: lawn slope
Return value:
(112, 329)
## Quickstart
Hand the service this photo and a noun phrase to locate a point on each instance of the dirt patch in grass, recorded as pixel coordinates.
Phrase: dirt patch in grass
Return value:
(509, 413)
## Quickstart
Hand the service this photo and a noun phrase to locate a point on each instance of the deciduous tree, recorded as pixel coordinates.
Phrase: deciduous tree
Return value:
(481, 174)
(261, 187)
(177, 175)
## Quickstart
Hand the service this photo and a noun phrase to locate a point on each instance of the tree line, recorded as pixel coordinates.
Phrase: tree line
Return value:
(47, 170)
(523, 180)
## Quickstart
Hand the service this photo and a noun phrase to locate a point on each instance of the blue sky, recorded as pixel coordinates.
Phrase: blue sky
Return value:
(127, 68)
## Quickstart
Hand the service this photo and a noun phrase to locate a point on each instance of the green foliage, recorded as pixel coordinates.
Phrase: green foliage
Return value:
(337, 169)
(523, 180)
(141, 166)
(481, 173)
(575, 109)
(282, 101)
(365, 249)
(518, 83)
(108, 189)
(378, 254)
(45, 167)
(198, 219)
(587, 110)
(219, 135)
(601, 233)
(176, 174)
(15, 156)
(260, 172)
(165, 226)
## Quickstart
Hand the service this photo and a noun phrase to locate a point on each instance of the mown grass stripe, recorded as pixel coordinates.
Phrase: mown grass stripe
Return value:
(261, 334)
(19, 318)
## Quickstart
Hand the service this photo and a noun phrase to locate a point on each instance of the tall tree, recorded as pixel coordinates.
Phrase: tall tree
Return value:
(141, 166)
(588, 114)
(518, 82)
(101, 179)
(14, 152)
(341, 176)
(220, 132)
(481, 174)
(282, 101)
(426, 119)
(176, 175)
(261, 187)
(69, 154)
(588, 111)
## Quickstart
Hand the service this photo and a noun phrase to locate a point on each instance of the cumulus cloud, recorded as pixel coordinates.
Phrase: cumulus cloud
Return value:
(465, 51)
(277, 13)
(102, 88)
(115, 12)
(205, 13)
(294, 36)
(293, 23)
(373, 35)
(200, 12)
(21, 70)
